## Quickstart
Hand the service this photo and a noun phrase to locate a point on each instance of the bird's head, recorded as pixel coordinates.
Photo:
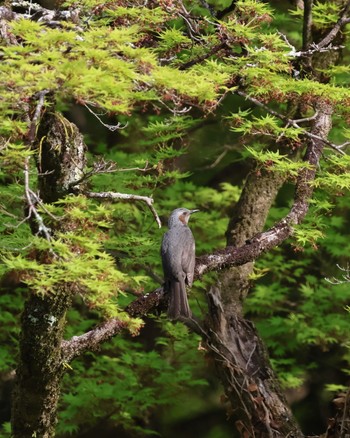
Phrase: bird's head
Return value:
(180, 216)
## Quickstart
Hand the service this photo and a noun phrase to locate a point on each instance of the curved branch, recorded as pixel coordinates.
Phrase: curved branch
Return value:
(114, 195)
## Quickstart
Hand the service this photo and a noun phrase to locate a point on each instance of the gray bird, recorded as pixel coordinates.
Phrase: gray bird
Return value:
(178, 258)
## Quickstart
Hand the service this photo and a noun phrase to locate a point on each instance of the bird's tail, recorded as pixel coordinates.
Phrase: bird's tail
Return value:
(178, 302)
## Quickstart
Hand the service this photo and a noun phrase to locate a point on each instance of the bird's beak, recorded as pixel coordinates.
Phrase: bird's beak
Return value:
(194, 211)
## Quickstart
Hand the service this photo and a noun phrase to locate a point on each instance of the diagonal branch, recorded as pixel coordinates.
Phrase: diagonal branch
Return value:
(91, 339)
(344, 19)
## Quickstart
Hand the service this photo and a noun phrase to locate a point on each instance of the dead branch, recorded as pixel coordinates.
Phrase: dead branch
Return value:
(114, 195)
(33, 199)
(36, 117)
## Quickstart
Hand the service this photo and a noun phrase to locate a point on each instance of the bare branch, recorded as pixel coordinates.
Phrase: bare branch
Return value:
(110, 127)
(219, 158)
(312, 48)
(175, 111)
(114, 195)
(192, 27)
(346, 276)
(101, 166)
(35, 120)
(91, 340)
(31, 198)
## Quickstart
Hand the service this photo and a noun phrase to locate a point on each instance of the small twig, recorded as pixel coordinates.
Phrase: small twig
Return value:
(314, 49)
(114, 195)
(174, 110)
(294, 123)
(110, 127)
(219, 158)
(185, 15)
(306, 119)
(29, 194)
(36, 116)
(102, 167)
(346, 276)
(285, 39)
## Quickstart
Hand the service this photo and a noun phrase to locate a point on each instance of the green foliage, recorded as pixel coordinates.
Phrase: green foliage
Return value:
(293, 301)
(277, 162)
(126, 383)
(166, 78)
(324, 14)
(335, 174)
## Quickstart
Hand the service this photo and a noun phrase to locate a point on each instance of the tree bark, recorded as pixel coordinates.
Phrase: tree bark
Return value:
(40, 369)
(242, 362)
(60, 161)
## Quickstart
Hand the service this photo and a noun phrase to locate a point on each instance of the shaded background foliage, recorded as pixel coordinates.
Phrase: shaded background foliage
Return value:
(159, 382)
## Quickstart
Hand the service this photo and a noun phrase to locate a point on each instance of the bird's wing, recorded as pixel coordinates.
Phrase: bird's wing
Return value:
(188, 259)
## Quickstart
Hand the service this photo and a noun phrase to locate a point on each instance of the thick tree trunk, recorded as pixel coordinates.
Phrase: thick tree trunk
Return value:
(241, 359)
(251, 387)
(60, 161)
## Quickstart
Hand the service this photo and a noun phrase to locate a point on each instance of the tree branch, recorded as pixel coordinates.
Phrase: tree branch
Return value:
(112, 128)
(91, 340)
(32, 199)
(295, 122)
(114, 195)
(35, 120)
(344, 19)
